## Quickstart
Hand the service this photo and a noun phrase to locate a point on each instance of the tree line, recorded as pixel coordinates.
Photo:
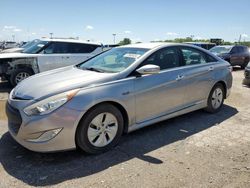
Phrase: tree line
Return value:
(188, 39)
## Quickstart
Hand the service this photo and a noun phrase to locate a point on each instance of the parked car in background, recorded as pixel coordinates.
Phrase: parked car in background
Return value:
(109, 46)
(235, 55)
(9, 44)
(205, 45)
(1, 46)
(246, 80)
(20, 48)
(92, 104)
(44, 55)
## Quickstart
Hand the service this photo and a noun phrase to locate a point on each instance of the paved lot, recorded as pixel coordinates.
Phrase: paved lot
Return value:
(194, 150)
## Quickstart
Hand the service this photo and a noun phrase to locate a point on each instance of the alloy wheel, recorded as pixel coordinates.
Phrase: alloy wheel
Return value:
(21, 76)
(102, 129)
(217, 98)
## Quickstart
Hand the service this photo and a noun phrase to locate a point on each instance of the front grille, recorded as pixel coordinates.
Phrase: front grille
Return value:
(14, 118)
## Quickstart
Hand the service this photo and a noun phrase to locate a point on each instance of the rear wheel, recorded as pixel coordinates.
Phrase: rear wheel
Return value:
(215, 99)
(245, 64)
(100, 129)
(19, 75)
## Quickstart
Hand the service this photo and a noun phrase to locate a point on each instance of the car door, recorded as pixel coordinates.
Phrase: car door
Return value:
(197, 74)
(237, 57)
(246, 54)
(53, 56)
(159, 94)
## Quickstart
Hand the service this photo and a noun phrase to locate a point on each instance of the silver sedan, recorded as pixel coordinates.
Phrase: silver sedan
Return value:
(92, 104)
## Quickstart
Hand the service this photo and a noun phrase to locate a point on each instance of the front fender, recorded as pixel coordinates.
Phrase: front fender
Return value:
(120, 92)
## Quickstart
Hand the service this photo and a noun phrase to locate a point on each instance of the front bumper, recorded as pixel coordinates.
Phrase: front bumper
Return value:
(25, 130)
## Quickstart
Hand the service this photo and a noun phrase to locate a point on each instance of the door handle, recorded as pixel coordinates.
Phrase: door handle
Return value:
(179, 77)
(211, 69)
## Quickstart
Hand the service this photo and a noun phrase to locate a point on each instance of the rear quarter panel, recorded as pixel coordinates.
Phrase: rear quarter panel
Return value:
(222, 73)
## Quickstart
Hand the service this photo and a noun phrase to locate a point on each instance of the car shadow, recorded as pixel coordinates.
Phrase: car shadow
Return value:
(5, 86)
(237, 68)
(37, 169)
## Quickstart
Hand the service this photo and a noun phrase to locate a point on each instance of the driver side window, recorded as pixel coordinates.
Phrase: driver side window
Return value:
(192, 56)
(165, 58)
(57, 47)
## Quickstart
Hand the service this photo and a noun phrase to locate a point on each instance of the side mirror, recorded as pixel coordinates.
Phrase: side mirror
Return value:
(148, 69)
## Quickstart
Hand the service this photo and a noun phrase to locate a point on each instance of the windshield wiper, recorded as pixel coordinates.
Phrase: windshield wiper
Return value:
(93, 69)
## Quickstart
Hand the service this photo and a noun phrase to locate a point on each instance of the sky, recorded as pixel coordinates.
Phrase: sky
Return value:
(139, 20)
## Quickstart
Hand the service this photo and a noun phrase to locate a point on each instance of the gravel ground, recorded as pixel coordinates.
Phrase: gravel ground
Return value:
(194, 150)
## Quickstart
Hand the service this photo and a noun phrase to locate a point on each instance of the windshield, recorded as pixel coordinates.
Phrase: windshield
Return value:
(221, 49)
(35, 47)
(114, 60)
(29, 44)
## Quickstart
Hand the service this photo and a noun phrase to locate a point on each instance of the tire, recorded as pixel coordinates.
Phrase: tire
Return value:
(214, 104)
(93, 136)
(245, 64)
(16, 76)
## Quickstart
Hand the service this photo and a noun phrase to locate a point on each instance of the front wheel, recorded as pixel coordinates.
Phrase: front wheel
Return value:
(245, 64)
(215, 99)
(19, 75)
(100, 129)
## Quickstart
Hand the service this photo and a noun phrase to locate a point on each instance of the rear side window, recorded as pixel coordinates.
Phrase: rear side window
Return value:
(192, 56)
(235, 50)
(243, 49)
(81, 48)
(210, 58)
(246, 49)
(165, 58)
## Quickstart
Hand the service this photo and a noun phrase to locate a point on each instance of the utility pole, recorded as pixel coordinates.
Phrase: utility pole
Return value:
(240, 38)
(13, 38)
(51, 35)
(114, 34)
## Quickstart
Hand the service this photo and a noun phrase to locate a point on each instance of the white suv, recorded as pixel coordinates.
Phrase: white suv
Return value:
(44, 55)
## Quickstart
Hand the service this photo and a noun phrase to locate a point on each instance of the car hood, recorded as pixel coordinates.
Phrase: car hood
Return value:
(16, 55)
(12, 50)
(57, 81)
(221, 54)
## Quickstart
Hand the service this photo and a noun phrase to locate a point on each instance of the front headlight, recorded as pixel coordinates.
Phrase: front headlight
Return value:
(50, 104)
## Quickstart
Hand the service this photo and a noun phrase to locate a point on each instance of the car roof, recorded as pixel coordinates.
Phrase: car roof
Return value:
(150, 45)
(230, 46)
(70, 40)
(199, 43)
